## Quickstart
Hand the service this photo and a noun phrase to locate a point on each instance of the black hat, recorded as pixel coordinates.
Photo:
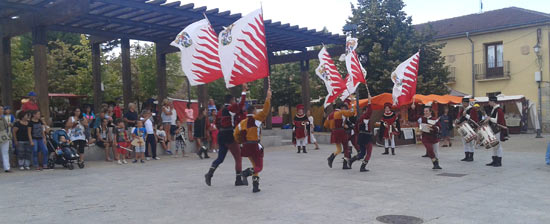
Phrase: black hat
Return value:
(493, 98)
(465, 99)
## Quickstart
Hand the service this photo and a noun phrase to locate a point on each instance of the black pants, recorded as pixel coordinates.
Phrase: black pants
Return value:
(150, 142)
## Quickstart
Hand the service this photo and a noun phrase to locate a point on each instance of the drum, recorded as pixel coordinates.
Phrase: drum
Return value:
(426, 128)
(486, 136)
(467, 132)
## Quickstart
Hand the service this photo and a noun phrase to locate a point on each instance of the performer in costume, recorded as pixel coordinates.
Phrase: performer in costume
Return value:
(311, 128)
(364, 137)
(338, 135)
(299, 127)
(248, 133)
(498, 125)
(227, 120)
(468, 114)
(430, 127)
(389, 127)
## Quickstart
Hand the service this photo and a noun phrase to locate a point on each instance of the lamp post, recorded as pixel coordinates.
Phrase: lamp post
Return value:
(352, 29)
(538, 78)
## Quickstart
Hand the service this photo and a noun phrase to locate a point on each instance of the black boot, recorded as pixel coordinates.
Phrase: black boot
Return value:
(255, 184)
(393, 151)
(425, 155)
(304, 149)
(363, 165)
(205, 151)
(245, 174)
(492, 163)
(346, 164)
(471, 157)
(466, 156)
(299, 149)
(199, 152)
(239, 180)
(331, 159)
(208, 176)
(436, 164)
(386, 152)
(353, 159)
(498, 161)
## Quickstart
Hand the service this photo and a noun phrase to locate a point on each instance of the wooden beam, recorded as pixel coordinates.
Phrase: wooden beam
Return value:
(281, 59)
(99, 39)
(96, 76)
(304, 68)
(202, 92)
(268, 120)
(6, 72)
(161, 73)
(40, 51)
(62, 11)
(126, 72)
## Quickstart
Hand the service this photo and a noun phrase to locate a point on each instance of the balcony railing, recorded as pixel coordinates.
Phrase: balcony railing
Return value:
(452, 75)
(483, 72)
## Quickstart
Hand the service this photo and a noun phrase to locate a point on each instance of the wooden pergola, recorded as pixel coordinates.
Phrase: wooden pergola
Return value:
(155, 21)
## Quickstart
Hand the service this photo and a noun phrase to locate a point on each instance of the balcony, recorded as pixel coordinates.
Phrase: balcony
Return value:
(452, 75)
(484, 73)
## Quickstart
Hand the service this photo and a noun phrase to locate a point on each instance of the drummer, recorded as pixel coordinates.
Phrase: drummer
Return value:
(498, 125)
(472, 116)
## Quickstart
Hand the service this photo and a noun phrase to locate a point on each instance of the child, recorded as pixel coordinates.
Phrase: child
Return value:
(139, 141)
(180, 141)
(104, 138)
(122, 141)
(162, 139)
(213, 132)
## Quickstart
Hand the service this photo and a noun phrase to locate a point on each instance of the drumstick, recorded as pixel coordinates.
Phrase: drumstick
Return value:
(127, 149)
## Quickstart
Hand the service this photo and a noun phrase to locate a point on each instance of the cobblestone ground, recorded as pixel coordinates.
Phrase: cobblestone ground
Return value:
(296, 188)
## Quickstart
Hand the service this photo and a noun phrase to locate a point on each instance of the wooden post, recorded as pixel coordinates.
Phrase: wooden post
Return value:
(161, 73)
(202, 92)
(40, 50)
(268, 120)
(96, 77)
(304, 68)
(126, 72)
(5, 72)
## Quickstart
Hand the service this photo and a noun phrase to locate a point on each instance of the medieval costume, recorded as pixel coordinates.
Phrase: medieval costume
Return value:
(248, 133)
(498, 125)
(468, 114)
(364, 138)
(430, 128)
(300, 130)
(389, 128)
(226, 120)
(338, 134)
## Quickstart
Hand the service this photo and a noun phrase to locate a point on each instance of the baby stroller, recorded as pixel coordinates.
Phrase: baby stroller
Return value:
(59, 154)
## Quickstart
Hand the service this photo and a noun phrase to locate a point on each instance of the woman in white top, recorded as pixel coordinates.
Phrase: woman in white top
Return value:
(311, 129)
(166, 116)
(76, 133)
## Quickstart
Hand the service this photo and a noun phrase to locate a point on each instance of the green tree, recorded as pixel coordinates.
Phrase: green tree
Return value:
(387, 38)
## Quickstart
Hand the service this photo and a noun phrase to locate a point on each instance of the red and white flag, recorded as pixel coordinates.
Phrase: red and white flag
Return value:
(328, 72)
(243, 50)
(404, 80)
(200, 59)
(356, 72)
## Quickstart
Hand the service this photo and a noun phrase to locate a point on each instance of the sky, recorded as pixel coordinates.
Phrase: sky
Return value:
(316, 14)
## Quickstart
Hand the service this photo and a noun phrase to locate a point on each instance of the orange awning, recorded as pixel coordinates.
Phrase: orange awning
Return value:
(379, 100)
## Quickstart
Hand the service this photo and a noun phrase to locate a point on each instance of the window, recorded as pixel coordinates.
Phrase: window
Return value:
(494, 60)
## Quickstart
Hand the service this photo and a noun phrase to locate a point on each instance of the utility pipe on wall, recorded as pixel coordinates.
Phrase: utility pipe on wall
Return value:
(473, 65)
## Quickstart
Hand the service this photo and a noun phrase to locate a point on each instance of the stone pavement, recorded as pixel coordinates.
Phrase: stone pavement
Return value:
(296, 188)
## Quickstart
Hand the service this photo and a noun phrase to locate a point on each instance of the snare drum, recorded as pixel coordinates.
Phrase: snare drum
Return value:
(486, 136)
(467, 132)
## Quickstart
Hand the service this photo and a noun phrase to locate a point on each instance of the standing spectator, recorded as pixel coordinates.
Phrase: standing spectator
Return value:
(110, 114)
(89, 114)
(122, 141)
(173, 125)
(117, 110)
(76, 134)
(201, 134)
(311, 127)
(131, 117)
(213, 132)
(151, 140)
(21, 141)
(139, 135)
(5, 139)
(180, 141)
(163, 139)
(32, 104)
(104, 138)
(166, 116)
(212, 107)
(10, 119)
(36, 132)
(190, 118)
(446, 127)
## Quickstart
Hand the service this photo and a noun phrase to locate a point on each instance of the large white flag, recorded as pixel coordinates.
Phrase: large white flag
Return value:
(200, 59)
(328, 72)
(404, 80)
(356, 72)
(243, 50)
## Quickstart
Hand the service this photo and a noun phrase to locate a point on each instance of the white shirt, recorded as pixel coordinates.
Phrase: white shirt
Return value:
(165, 117)
(174, 116)
(149, 127)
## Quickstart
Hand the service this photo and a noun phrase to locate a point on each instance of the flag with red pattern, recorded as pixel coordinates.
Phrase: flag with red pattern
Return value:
(328, 72)
(404, 80)
(243, 50)
(356, 72)
(200, 59)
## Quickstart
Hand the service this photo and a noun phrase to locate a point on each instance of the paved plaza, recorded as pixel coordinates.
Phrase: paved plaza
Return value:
(296, 188)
